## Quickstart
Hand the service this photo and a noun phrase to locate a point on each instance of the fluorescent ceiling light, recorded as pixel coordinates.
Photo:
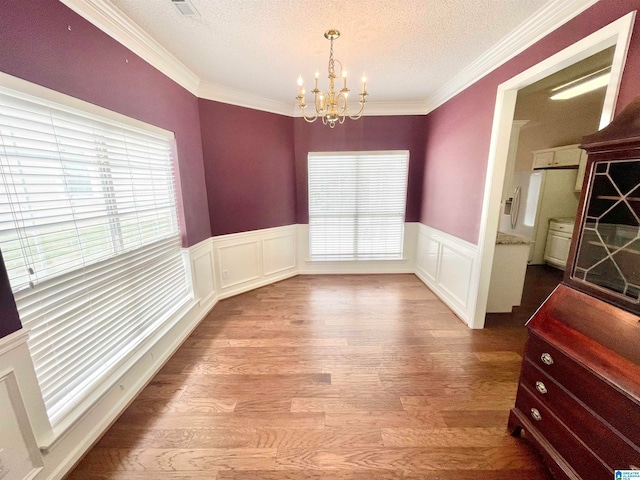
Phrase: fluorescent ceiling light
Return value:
(589, 85)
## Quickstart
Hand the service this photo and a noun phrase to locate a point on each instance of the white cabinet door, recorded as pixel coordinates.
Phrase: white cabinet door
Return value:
(542, 159)
(556, 250)
(567, 157)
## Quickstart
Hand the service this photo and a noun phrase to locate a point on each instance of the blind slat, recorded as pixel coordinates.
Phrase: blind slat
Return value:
(89, 232)
(357, 203)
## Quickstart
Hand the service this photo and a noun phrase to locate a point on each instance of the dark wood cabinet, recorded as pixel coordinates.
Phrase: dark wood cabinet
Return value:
(578, 398)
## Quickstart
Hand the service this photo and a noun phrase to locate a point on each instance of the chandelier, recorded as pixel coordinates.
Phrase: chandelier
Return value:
(331, 106)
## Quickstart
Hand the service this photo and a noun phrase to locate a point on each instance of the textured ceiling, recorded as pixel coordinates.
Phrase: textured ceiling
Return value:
(407, 48)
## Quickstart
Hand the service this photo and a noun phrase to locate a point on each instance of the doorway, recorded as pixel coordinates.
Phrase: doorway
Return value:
(616, 34)
(543, 180)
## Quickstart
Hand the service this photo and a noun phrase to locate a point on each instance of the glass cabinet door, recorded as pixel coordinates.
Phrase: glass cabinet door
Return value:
(608, 251)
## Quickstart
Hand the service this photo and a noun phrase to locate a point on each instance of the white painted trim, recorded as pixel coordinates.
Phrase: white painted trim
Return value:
(253, 233)
(201, 255)
(108, 18)
(284, 267)
(439, 268)
(242, 98)
(13, 340)
(616, 33)
(18, 407)
(247, 272)
(378, 109)
(550, 17)
(112, 21)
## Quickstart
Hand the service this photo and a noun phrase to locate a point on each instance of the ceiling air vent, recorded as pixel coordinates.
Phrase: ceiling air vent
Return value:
(185, 8)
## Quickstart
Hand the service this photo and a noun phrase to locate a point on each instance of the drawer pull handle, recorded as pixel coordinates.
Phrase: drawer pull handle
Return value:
(535, 414)
(541, 388)
(546, 359)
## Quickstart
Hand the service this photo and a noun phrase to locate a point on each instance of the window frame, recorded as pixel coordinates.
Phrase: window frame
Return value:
(356, 216)
(162, 317)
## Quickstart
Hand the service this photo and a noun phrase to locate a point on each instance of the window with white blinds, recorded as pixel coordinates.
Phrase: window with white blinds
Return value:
(90, 238)
(357, 204)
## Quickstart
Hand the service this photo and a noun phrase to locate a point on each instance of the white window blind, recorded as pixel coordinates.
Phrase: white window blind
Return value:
(357, 204)
(90, 238)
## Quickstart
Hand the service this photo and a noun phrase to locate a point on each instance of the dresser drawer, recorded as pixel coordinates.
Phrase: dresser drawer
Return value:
(614, 407)
(612, 449)
(567, 445)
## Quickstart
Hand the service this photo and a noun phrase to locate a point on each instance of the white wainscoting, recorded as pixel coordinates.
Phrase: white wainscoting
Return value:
(447, 265)
(203, 278)
(406, 265)
(249, 260)
(19, 393)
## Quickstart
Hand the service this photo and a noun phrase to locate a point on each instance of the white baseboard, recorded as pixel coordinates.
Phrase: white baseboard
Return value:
(447, 264)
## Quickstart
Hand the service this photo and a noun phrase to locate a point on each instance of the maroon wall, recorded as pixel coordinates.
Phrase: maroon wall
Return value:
(37, 45)
(249, 168)
(9, 321)
(458, 133)
(368, 133)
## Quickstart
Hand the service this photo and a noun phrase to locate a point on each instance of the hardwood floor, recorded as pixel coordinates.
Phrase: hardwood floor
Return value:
(327, 377)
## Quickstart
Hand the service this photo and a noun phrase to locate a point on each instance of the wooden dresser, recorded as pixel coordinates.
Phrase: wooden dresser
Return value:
(578, 398)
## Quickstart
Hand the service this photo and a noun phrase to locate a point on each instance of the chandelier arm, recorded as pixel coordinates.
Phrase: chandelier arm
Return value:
(361, 111)
(308, 118)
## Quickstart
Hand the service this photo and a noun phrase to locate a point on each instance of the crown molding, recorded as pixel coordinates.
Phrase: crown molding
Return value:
(377, 109)
(242, 98)
(117, 25)
(382, 109)
(550, 17)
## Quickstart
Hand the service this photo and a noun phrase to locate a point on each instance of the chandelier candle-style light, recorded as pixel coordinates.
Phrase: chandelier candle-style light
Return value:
(331, 106)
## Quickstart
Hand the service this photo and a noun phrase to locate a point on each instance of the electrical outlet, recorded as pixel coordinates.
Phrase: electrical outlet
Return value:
(225, 274)
(4, 466)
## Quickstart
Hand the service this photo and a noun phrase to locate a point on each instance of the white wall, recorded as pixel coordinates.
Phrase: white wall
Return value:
(218, 268)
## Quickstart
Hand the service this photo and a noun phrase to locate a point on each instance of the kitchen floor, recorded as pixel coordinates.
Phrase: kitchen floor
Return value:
(539, 282)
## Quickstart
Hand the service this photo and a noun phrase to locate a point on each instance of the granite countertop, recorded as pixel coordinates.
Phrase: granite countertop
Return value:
(506, 239)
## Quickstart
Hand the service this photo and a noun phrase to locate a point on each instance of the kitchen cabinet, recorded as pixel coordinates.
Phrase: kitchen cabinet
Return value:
(556, 249)
(566, 156)
(508, 272)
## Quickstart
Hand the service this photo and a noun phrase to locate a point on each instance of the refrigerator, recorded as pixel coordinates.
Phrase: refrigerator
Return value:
(536, 197)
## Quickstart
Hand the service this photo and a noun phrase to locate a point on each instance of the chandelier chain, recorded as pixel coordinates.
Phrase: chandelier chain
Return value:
(332, 72)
